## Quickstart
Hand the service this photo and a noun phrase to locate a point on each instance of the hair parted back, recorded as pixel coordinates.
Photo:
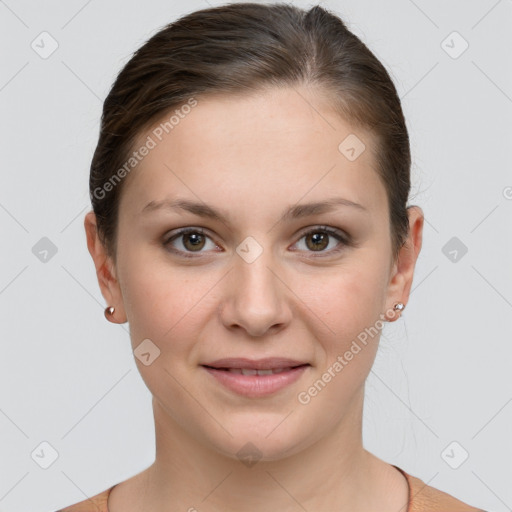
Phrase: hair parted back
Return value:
(247, 47)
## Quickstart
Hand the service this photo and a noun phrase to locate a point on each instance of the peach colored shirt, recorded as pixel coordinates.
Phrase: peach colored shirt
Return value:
(422, 498)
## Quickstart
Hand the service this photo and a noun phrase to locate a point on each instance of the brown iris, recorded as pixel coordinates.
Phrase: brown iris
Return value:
(319, 240)
(196, 240)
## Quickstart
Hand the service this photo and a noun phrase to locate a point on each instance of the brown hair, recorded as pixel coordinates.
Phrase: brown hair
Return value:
(241, 48)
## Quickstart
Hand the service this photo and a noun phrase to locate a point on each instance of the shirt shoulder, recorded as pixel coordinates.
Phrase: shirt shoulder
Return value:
(423, 498)
(97, 503)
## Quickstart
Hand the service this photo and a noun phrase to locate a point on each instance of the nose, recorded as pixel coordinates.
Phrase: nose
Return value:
(256, 298)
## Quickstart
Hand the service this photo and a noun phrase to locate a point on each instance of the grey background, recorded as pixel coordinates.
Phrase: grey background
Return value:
(68, 377)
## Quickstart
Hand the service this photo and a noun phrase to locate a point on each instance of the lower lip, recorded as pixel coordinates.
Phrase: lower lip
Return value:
(255, 386)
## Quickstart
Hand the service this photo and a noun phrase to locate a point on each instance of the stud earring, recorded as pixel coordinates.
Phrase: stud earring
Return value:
(399, 306)
(109, 313)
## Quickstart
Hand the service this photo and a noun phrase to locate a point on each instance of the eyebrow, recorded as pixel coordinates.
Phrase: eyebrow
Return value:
(293, 212)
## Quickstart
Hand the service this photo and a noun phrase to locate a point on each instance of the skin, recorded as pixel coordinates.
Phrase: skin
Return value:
(252, 157)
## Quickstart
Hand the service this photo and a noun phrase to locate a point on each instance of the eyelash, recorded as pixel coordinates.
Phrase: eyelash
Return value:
(344, 239)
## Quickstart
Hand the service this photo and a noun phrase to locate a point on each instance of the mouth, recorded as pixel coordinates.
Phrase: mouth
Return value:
(243, 363)
(255, 371)
(255, 378)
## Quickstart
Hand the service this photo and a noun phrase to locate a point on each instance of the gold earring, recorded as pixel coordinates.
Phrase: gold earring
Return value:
(109, 313)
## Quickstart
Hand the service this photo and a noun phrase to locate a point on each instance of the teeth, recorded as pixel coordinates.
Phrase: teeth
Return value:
(252, 371)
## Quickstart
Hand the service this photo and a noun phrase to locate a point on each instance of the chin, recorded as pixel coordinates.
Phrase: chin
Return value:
(263, 441)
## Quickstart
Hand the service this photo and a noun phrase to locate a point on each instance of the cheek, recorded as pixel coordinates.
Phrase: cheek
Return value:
(163, 302)
(349, 303)
(162, 305)
(347, 300)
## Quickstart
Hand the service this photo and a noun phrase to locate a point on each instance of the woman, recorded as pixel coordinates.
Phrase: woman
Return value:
(250, 222)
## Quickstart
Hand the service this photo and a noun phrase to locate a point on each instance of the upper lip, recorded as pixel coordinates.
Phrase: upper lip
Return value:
(268, 363)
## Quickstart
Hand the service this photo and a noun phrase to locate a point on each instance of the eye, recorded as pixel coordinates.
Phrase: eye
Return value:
(321, 238)
(188, 241)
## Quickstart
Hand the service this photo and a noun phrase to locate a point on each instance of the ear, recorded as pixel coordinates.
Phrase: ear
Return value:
(105, 269)
(403, 269)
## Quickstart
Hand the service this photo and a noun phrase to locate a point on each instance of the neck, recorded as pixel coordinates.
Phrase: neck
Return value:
(333, 473)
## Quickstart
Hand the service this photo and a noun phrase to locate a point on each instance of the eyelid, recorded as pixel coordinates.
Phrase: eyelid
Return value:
(323, 227)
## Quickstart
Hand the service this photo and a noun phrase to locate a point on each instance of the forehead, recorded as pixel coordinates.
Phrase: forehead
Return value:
(275, 146)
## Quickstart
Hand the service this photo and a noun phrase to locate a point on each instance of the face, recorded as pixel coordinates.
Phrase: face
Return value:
(286, 254)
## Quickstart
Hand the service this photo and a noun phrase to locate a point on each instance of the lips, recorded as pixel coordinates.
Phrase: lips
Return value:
(256, 382)
(256, 378)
